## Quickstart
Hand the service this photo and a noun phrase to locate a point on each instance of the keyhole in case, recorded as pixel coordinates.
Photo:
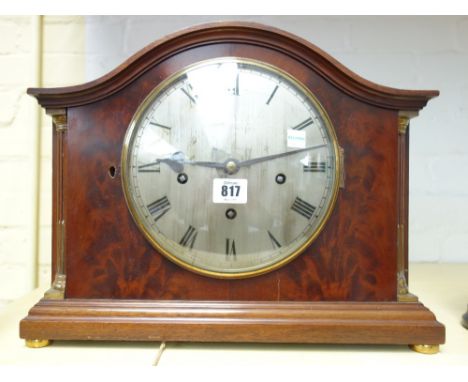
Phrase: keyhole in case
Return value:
(112, 171)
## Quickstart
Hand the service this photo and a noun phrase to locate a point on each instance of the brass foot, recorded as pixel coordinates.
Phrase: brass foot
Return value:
(425, 349)
(37, 343)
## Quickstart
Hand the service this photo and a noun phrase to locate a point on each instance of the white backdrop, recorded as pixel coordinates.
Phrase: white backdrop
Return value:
(406, 52)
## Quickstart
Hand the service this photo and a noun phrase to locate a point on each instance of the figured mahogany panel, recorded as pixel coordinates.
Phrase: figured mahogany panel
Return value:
(354, 258)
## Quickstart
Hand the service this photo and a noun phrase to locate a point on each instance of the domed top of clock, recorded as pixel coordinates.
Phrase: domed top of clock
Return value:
(253, 34)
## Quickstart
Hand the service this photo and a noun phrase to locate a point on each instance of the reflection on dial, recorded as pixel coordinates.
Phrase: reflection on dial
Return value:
(255, 130)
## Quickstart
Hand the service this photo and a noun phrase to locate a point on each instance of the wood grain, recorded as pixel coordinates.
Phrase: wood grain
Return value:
(205, 321)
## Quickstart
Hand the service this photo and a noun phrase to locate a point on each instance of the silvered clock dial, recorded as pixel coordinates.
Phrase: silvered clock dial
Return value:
(230, 167)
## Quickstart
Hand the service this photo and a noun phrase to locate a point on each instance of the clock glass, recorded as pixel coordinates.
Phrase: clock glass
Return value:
(230, 167)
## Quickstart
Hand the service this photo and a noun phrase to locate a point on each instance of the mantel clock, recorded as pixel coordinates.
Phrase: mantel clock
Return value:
(231, 182)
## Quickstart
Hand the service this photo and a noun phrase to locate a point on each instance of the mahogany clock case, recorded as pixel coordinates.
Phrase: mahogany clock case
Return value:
(353, 265)
(106, 250)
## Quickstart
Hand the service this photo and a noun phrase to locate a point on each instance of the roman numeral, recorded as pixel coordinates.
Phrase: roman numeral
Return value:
(160, 125)
(303, 208)
(189, 237)
(235, 90)
(188, 92)
(272, 94)
(274, 242)
(150, 167)
(159, 208)
(315, 167)
(230, 247)
(303, 124)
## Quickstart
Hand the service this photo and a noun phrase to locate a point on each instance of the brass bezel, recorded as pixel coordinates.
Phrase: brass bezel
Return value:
(141, 225)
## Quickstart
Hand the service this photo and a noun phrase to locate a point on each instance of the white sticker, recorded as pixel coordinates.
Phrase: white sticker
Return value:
(296, 138)
(230, 191)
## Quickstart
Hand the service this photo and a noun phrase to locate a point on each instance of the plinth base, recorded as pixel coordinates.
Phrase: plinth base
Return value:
(222, 321)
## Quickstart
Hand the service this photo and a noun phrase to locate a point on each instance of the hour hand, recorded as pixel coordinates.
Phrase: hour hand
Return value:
(175, 161)
(206, 164)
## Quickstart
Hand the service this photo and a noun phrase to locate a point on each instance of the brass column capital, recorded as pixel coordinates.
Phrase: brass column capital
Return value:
(403, 123)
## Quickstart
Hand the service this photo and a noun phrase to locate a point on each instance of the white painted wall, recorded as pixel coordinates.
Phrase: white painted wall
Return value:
(406, 52)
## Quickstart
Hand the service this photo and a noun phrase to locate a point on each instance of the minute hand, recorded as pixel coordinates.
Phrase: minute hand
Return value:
(249, 162)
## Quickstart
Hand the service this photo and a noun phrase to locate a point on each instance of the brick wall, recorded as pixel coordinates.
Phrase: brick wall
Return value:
(22, 265)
